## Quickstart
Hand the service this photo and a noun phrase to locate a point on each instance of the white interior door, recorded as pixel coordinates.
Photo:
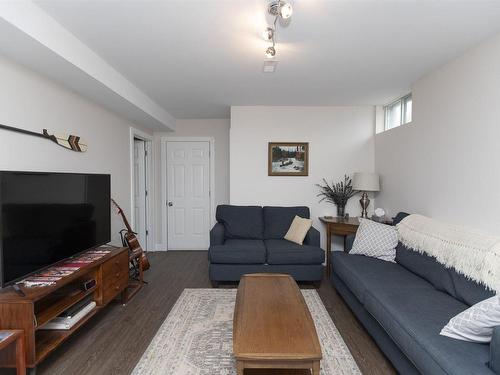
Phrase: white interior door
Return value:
(140, 207)
(188, 195)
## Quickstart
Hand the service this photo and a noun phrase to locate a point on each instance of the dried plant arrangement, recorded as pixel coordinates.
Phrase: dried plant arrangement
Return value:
(337, 193)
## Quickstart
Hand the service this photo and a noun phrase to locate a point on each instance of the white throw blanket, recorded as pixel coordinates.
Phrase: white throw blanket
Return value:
(472, 253)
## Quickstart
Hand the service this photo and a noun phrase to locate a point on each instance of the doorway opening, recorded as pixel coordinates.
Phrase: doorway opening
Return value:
(141, 174)
(187, 189)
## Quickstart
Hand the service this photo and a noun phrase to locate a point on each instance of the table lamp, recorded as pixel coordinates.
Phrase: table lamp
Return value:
(364, 182)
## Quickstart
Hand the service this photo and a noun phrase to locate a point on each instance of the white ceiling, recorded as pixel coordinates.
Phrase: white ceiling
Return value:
(196, 58)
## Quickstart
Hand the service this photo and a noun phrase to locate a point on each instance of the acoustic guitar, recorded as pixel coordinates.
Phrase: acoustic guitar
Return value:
(131, 239)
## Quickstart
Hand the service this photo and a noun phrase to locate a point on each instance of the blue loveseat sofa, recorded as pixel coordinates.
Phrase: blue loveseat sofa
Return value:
(249, 239)
(404, 306)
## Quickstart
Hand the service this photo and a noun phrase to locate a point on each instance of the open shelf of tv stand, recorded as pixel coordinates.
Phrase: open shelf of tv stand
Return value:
(41, 304)
(48, 340)
(62, 304)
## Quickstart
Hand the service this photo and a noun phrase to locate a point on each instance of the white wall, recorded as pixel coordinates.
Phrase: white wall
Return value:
(446, 163)
(340, 142)
(30, 101)
(218, 129)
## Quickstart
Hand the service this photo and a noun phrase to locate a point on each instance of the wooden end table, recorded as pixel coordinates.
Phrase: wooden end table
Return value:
(8, 337)
(272, 326)
(337, 226)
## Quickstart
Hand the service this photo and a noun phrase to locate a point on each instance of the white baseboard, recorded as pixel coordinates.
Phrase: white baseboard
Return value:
(161, 247)
(191, 249)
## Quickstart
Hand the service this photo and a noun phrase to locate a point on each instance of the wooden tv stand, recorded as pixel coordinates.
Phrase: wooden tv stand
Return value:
(41, 304)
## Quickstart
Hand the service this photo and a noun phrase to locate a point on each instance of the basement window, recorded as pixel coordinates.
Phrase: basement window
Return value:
(398, 112)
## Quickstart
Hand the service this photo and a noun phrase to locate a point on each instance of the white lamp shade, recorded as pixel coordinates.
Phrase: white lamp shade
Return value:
(364, 181)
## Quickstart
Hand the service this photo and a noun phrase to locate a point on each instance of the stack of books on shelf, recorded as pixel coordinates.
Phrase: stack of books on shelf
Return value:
(72, 315)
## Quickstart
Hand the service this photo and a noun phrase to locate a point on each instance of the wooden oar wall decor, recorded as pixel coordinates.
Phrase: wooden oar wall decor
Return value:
(71, 142)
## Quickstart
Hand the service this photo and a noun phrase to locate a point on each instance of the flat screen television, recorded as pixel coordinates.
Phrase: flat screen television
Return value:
(47, 217)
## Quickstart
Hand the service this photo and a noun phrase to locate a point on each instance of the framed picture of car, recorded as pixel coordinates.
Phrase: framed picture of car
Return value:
(288, 159)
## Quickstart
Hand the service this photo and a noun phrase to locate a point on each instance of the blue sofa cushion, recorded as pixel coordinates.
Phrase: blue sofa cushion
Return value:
(286, 252)
(313, 237)
(469, 291)
(414, 321)
(495, 350)
(359, 272)
(277, 220)
(426, 267)
(217, 234)
(235, 251)
(443, 279)
(400, 216)
(241, 222)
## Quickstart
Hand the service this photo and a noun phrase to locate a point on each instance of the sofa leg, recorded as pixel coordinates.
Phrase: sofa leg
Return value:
(215, 284)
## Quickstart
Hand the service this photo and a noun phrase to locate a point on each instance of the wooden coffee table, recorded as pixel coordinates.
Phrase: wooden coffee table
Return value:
(272, 326)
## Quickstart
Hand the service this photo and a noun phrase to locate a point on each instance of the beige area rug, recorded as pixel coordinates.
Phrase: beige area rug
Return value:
(196, 337)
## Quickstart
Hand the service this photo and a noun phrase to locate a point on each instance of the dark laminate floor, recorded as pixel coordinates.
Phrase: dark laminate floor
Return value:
(114, 340)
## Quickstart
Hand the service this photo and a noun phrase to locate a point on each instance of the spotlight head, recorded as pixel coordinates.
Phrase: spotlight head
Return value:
(286, 10)
(270, 52)
(281, 8)
(268, 34)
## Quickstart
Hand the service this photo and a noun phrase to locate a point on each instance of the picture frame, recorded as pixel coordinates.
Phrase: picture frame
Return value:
(288, 159)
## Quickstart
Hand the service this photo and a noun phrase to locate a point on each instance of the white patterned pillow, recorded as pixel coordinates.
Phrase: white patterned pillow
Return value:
(476, 323)
(375, 240)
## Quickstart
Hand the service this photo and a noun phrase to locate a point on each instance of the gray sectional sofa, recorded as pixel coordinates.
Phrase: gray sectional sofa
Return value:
(404, 305)
(249, 239)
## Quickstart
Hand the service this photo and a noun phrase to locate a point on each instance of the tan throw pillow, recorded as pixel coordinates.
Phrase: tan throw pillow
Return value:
(298, 230)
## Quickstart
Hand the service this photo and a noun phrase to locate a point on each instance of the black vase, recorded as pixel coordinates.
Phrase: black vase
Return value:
(340, 211)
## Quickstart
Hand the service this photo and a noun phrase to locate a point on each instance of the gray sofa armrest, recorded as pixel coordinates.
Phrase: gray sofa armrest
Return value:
(217, 235)
(349, 241)
(312, 238)
(495, 351)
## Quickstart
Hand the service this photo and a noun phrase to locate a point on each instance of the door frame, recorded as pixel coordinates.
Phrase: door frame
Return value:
(148, 143)
(164, 185)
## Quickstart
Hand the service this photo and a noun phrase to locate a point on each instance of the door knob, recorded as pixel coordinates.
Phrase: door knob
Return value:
(170, 204)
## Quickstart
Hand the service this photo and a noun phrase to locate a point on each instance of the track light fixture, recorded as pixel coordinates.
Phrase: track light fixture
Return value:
(268, 34)
(279, 9)
(270, 52)
(286, 10)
